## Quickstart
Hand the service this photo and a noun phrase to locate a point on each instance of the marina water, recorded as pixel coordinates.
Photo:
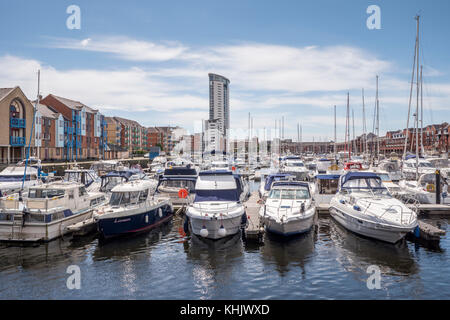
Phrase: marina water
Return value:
(327, 263)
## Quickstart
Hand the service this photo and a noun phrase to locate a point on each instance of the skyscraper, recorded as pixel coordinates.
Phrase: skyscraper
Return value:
(219, 101)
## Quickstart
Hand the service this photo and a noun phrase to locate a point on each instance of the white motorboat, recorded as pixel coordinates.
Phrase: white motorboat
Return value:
(217, 211)
(131, 210)
(409, 168)
(87, 177)
(289, 209)
(364, 206)
(46, 212)
(12, 178)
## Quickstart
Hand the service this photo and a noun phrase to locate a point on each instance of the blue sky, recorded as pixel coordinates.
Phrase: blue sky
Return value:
(149, 60)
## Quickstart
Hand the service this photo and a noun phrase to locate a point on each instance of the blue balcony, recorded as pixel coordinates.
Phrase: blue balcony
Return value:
(17, 141)
(68, 130)
(18, 123)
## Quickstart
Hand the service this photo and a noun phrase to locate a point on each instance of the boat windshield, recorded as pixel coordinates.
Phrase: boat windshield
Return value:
(124, 198)
(384, 176)
(45, 193)
(217, 195)
(18, 178)
(311, 166)
(289, 194)
(178, 184)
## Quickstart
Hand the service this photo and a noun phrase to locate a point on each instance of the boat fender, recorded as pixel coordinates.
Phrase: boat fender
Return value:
(204, 232)
(222, 231)
(417, 232)
(303, 207)
(244, 219)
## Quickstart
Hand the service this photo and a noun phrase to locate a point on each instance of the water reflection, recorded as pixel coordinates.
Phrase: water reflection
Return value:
(124, 247)
(286, 253)
(357, 253)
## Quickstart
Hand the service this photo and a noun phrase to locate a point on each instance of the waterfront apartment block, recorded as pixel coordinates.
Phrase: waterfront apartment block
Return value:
(84, 128)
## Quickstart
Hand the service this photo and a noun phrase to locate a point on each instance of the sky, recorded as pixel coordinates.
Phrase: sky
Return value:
(149, 60)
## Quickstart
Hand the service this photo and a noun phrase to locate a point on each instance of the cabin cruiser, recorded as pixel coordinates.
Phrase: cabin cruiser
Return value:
(217, 211)
(289, 209)
(312, 170)
(423, 166)
(324, 188)
(364, 206)
(12, 178)
(295, 167)
(353, 166)
(424, 190)
(46, 212)
(175, 182)
(265, 185)
(131, 210)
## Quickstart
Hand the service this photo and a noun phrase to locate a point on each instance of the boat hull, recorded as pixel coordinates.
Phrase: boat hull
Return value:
(290, 227)
(40, 232)
(232, 226)
(134, 222)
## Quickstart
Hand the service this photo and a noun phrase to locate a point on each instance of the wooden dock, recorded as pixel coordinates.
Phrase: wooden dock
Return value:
(431, 209)
(254, 230)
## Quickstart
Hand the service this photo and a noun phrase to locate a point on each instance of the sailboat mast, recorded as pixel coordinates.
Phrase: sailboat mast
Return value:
(364, 124)
(417, 104)
(348, 126)
(378, 124)
(334, 146)
(421, 112)
(32, 128)
(411, 89)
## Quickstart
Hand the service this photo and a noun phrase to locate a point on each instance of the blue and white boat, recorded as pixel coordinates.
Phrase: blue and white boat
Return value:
(363, 205)
(217, 210)
(289, 209)
(132, 209)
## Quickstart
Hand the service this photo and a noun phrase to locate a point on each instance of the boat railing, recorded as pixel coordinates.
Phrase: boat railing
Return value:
(284, 210)
(411, 215)
(211, 208)
(45, 203)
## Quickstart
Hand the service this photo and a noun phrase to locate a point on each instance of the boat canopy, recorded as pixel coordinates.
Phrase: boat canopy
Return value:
(275, 177)
(290, 184)
(215, 173)
(324, 159)
(359, 175)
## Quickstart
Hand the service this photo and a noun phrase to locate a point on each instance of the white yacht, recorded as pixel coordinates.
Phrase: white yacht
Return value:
(220, 165)
(424, 190)
(364, 206)
(217, 211)
(131, 210)
(289, 209)
(46, 212)
(324, 188)
(409, 168)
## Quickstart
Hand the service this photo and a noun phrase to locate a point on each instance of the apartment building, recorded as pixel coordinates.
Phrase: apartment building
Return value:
(84, 128)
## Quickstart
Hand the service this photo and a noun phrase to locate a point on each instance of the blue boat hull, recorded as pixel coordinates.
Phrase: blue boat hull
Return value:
(135, 223)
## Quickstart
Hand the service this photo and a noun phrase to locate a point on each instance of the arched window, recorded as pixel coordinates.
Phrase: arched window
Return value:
(16, 109)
